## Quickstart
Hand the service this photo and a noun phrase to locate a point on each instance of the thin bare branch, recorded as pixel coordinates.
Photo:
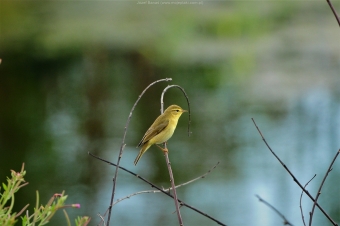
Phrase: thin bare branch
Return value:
(102, 219)
(303, 218)
(166, 155)
(123, 145)
(168, 189)
(160, 189)
(102, 222)
(321, 185)
(172, 180)
(285, 221)
(294, 178)
(334, 12)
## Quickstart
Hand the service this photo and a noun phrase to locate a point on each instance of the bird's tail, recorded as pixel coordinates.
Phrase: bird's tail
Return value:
(141, 152)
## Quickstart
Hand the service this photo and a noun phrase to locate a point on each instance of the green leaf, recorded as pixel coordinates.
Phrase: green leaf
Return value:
(4, 186)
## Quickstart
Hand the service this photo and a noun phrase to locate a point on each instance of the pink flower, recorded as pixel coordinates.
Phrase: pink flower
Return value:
(76, 205)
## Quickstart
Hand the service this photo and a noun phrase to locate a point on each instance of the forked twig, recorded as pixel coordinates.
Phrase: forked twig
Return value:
(285, 221)
(168, 189)
(292, 175)
(303, 218)
(123, 145)
(334, 12)
(160, 189)
(166, 155)
(321, 185)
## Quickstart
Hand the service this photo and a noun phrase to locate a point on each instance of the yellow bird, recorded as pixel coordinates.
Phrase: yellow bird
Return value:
(161, 130)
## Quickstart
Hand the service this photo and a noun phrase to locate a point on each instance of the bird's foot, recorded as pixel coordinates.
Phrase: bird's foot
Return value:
(165, 150)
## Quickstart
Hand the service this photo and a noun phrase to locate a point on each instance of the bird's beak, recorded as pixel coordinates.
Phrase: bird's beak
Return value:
(184, 111)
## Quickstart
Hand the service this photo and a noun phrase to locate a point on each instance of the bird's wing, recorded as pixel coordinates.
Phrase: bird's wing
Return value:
(153, 131)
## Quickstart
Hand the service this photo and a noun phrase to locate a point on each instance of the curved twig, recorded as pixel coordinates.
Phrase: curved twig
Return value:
(123, 145)
(292, 175)
(186, 96)
(168, 189)
(285, 221)
(334, 12)
(160, 189)
(321, 185)
(303, 218)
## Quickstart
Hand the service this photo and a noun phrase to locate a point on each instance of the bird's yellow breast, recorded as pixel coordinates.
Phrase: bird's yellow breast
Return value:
(166, 134)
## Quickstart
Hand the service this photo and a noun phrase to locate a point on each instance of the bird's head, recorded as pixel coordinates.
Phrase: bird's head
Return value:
(175, 111)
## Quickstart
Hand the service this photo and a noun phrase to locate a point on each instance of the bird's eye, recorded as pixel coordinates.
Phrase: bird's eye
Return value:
(177, 110)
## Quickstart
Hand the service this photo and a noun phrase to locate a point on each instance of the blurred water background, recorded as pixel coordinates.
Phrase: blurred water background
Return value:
(71, 71)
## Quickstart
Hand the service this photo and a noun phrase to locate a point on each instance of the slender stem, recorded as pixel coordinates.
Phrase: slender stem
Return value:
(285, 221)
(123, 146)
(294, 178)
(172, 180)
(160, 189)
(303, 218)
(321, 185)
(21, 211)
(334, 12)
